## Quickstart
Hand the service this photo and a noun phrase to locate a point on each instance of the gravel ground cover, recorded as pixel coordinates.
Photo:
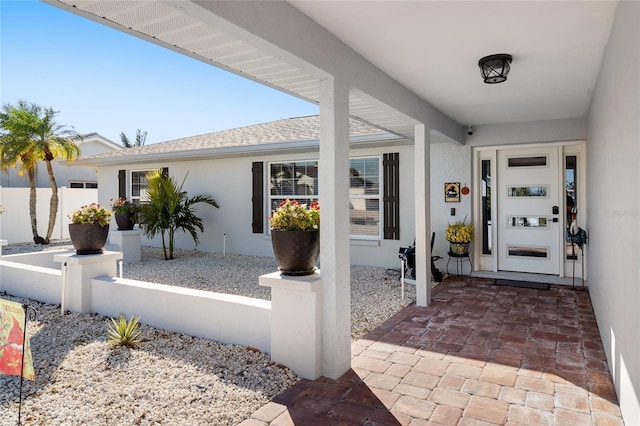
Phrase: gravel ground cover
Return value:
(168, 378)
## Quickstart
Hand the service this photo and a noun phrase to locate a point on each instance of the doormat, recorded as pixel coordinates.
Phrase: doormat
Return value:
(522, 284)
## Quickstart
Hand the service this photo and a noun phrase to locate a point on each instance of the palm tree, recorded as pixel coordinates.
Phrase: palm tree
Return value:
(169, 209)
(30, 134)
(141, 137)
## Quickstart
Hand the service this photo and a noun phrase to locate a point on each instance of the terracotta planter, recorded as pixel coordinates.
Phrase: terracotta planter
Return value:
(88, 238)
(458, 249)
(124, 221)
(296, 252)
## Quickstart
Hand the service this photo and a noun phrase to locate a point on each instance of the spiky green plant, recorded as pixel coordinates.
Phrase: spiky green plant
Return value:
(168, 209)
(123, 332)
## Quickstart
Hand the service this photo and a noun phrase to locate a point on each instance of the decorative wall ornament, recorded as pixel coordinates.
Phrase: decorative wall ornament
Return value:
(452, 192)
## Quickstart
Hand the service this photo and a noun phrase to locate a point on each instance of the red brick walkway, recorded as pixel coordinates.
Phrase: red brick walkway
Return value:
(478, 355)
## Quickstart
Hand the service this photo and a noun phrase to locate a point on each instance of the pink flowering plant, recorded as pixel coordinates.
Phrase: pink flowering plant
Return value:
(122, 206)
(91, 214)
(2, 209)
(292, 215)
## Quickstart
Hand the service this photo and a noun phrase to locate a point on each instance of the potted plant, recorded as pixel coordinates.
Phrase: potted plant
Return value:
(459, 234)
(124, 212)
(295, 236)
(89, 228)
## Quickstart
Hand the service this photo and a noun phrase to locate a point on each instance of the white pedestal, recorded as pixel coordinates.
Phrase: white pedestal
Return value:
(80, 270)
(296, 322)
(127, 242)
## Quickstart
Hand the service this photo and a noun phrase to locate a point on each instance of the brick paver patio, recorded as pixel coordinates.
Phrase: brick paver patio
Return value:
(478, 355)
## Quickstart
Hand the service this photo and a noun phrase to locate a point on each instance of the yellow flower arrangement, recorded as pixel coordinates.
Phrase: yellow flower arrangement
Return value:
(459, 232)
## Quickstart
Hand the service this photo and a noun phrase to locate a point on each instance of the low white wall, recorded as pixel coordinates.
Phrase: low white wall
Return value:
(42, 259)
(28, 281)
(221, 317)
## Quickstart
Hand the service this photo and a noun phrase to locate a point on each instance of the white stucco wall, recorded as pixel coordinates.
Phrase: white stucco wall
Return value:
(229, 182)
(614, 216)
(528, 132)
(449, 163)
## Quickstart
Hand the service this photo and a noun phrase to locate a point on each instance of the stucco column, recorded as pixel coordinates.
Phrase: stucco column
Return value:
(334, 227)
(422, 199)
(80, 269)
(128, 242)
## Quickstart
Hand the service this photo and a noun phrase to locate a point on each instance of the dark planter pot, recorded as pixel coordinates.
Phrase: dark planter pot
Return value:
(459, 249)
(296, 251)
(88, 238)
(124, 221)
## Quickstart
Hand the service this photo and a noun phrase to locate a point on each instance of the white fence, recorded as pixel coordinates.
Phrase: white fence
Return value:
(221, 317)
(15, 223)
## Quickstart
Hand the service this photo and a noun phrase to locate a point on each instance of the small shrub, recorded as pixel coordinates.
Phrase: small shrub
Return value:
(123, 332)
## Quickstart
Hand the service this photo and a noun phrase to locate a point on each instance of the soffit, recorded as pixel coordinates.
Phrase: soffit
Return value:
(168, 25)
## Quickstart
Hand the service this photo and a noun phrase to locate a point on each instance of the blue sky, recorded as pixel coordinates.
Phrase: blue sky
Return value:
(105, 81)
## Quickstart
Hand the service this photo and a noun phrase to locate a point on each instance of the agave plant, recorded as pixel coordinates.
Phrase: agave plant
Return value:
(123, 332)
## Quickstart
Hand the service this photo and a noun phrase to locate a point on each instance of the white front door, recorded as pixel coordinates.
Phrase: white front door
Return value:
(530, 223)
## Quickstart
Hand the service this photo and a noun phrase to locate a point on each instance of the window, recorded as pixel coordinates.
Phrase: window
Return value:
(364, 196)
(132, 184)
(139, 186)
(540, 161)
(298, 180)
(294, 180)
(486, 207)
(571, 192)
(82, 185)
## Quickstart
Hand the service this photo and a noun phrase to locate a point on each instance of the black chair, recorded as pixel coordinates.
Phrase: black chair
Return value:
(435, 272)
(409, 255)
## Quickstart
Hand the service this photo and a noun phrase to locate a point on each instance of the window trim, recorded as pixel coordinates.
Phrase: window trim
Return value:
(130, 173)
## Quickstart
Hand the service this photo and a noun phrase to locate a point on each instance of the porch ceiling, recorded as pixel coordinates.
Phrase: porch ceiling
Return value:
(430, 47)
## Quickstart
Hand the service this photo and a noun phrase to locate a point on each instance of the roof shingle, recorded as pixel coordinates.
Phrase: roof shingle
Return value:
(295, 129)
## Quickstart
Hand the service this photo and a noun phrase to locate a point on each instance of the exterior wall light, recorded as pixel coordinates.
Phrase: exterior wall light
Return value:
(495, 68)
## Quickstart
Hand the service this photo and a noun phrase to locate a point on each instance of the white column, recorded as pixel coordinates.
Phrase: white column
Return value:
(334, 227)
(422, 200)
(128, 242)
(80, 269)
(296, 322)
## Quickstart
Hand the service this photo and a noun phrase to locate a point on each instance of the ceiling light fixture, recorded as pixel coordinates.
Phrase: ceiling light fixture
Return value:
(495, 68)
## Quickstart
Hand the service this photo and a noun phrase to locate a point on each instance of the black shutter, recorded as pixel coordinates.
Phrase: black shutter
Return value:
(122, 183)
(257, 170)
(391, 195)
